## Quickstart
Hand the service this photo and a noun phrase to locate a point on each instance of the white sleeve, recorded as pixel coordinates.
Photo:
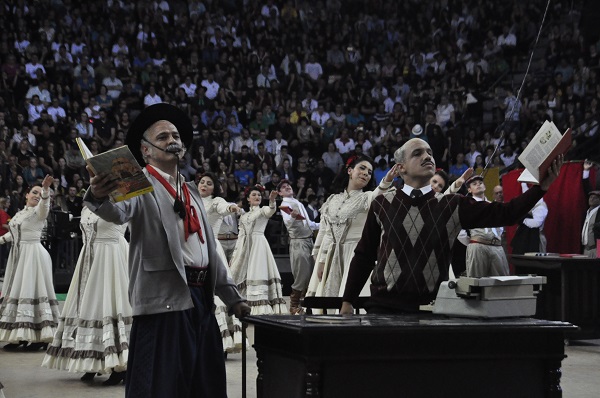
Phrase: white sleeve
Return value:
(539, 216)
(463, 237)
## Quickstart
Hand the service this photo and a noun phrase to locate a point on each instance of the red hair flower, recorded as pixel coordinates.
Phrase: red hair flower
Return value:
(350, 160)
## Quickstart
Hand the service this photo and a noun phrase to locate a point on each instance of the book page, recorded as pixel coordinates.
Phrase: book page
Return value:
(543, 149)
(527, 177)
(542, 144)
(85, 151)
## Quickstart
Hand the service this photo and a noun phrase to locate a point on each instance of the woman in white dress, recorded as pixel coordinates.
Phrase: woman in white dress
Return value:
(94, 327)
(343, 217)
(216, 208)
(29, 310)
(253, 266)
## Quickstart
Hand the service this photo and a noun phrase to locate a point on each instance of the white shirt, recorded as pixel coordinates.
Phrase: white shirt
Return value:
(190, 90)
(276, 146)
(407, 189)
(34, 112)
(390, 102)
(144, 37)
(297, 228)
(116, 49)
(310, 105)
(344, 147)
(77, 49)
(320, 119)
(508, 40)
(539, 213)
(239, 142)
(508, 160)
(151, 100)
(17, 138)
(57, 112)
(314, 70)
(114, 86)
(192, 247)
(470, 157)
(588, 217)
(212, 89)
(30, 69)
(44, 95)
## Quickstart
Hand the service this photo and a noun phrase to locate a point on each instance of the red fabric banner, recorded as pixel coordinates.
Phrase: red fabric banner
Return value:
(566, 203)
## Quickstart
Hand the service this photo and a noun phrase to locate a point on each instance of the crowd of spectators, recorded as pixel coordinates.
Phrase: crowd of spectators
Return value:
(284, 89)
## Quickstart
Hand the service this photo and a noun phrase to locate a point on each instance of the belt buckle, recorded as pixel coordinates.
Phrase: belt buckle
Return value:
(197, 277)
(200, 276)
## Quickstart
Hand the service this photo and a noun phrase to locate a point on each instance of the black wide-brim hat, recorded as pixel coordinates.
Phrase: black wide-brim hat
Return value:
(151, 115)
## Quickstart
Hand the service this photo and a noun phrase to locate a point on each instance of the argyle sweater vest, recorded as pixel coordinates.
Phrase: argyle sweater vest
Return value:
(407, 243)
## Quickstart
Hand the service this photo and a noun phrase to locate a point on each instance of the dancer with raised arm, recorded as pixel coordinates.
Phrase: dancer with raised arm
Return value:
(342, 220)
(216, 209)
(29, 309)
(95, 324)
(253, 266)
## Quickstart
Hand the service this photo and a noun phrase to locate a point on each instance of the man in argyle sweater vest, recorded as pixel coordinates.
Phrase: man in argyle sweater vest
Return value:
(410, 233)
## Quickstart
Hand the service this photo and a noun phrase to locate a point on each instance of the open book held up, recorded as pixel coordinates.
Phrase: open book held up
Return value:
(121, 163)
(545, 146)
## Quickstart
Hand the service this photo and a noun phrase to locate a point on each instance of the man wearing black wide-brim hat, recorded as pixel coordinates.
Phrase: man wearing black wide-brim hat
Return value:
(176, 349)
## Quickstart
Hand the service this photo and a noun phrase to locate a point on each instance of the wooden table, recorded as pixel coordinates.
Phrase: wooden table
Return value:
(422, 355)
(571, 293)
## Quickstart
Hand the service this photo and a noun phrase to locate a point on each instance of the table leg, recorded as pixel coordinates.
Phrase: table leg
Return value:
(553, 375)
(259, 376)
(313, 381)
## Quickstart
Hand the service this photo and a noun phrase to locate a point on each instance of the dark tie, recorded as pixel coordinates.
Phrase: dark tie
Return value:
(416, 193)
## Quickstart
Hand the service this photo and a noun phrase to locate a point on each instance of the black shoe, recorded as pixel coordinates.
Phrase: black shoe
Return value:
(14, 346)
(88, 377)
(114, 379)
(36, 347)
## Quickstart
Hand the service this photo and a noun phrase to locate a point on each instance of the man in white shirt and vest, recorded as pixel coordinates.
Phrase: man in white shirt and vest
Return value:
(485, 255)
(300, 229)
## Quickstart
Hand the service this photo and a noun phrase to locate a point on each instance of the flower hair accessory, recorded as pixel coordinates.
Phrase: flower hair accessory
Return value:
(256, 187)
(350, 160)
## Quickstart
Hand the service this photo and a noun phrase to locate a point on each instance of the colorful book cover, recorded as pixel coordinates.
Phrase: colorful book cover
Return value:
(124, 168)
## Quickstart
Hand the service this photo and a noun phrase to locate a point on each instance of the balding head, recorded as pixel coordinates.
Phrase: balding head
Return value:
(498, 194)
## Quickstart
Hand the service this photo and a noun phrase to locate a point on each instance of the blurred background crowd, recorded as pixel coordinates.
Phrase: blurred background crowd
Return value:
(289, 89)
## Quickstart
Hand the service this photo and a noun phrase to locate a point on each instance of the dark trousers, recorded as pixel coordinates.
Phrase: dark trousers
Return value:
(177, 354)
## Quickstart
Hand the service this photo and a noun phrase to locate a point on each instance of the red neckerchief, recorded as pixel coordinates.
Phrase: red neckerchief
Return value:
(191, 222)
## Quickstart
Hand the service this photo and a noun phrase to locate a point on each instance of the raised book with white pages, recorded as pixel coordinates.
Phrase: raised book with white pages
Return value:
(545, 146)
(121, 164)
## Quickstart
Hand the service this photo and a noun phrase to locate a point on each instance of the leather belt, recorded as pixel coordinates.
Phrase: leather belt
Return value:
(227, 236)
(306, 237)
(489, 242)
(196, 276)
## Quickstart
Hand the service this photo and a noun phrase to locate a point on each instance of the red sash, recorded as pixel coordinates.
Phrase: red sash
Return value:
(191, 222)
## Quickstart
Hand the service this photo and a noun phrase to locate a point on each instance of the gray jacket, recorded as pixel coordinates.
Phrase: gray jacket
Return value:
(156, 269)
